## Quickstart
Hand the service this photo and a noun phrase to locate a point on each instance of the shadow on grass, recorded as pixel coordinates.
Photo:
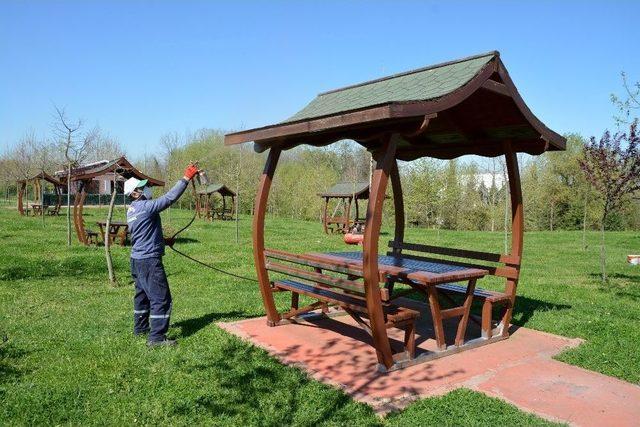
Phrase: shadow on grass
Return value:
(526, 307)
(189, 327)
(621, 276)
(186, 240)
(9, 355)
(85, 264)
(616, 285)
(249, 386)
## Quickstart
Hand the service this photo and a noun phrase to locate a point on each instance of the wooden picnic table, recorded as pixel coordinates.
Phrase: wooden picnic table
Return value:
(37, 209)
(116, 229)
(423, 276)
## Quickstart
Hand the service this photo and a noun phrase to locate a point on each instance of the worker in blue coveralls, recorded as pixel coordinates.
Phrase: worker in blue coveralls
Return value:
(152, 300)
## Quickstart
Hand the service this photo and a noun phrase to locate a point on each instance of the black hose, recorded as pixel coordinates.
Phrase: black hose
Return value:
(219, 270)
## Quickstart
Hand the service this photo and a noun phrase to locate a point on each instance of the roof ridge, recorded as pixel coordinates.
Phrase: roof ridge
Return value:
(417, 70)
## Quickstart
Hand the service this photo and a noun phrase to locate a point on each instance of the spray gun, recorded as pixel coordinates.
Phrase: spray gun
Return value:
(201, 176)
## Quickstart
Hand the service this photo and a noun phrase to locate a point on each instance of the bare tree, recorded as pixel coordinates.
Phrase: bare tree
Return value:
(104, 147)
(630, 101)
(75, 142)
(612, 166)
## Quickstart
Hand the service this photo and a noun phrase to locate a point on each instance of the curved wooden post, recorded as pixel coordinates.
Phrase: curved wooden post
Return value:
(260, 210)
(21, 190)
(384, 162)
(517, 229)
(398, 204)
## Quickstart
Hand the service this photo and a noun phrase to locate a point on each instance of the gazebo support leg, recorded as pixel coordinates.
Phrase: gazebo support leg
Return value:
(517, 230)
(260, 210)
(398, 203)
(384, 162)
(324, 215)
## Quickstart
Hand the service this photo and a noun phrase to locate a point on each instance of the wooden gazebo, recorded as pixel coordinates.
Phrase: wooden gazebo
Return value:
(205, 202)
(40, 208)
(464, 107)
(347, 195)
(123, 170)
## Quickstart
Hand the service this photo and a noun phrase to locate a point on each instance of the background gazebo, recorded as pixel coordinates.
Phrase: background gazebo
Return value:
(346, 195)
(122, 169)
(39, 206)
(206, 202)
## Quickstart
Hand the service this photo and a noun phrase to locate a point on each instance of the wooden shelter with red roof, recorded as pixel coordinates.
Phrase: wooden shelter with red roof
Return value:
(464, 107)
(83, 176)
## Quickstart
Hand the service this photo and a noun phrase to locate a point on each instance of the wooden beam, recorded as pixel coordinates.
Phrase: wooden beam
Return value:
(496, 87)
(398, 203)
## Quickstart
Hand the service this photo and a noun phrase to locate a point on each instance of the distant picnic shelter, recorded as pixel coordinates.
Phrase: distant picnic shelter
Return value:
(39, 207)
(464, 107)
(347, 195)
(206, 204)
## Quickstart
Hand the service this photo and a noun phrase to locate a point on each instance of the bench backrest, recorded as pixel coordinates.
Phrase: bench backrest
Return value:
(501, 265)
(310, 269)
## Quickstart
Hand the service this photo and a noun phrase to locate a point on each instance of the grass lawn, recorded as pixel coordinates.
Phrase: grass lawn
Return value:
(70, 357)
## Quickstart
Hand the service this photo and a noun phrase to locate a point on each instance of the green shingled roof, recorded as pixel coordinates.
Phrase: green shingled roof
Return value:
(347, 189)
(212, 188)
(419, 85)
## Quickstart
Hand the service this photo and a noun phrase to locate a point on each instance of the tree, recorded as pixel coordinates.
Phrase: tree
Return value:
(612, 166)
(630, 101)
(75, 143)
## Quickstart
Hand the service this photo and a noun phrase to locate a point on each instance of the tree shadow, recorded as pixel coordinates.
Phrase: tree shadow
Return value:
(247, 378)
(189, 327)
(8, 358)
(620, 289)
(621, 276)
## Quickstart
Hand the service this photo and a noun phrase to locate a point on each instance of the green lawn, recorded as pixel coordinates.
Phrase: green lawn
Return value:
(70, 357)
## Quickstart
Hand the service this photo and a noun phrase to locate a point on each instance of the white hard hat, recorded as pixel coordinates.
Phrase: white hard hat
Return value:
(133, 183)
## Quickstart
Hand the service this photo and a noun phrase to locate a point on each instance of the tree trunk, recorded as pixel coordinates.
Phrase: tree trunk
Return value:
(69, 204)
(237, 206)
(584, 226)
(603, 254)
(107, 239)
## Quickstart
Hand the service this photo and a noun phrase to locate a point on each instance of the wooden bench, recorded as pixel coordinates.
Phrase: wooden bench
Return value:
(502, 265)
(346, 293)
(337, 224)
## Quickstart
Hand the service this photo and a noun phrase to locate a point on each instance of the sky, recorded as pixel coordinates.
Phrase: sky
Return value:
(140, 69)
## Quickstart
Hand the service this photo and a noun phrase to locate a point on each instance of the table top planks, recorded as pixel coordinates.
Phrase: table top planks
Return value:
(424, 272)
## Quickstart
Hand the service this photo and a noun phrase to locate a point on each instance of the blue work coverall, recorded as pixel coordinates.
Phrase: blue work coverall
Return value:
(152, 300)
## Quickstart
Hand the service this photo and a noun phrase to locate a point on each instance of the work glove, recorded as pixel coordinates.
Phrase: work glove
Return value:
(190, 171)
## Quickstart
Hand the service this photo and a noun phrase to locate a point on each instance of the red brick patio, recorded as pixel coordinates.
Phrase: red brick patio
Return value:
(519, 370)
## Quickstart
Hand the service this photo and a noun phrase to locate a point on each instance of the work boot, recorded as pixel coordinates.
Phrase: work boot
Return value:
(164, 343)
